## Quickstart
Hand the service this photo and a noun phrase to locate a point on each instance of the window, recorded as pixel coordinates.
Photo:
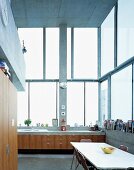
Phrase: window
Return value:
(75, 103)
(104, 101)
(91, 103)
(52, 53)
(42, 103)
(121, 95)
(22, 107)
(69, 53)
(33, 41)
(125, 30)
(85, 53)
(107, 44)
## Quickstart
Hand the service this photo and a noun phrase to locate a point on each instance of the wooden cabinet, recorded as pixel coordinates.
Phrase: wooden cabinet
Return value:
(72, 138)
(53, 141)
(23, 142)
(8, 127)
(35, 142)
(60, 142)
(12, 125)
(47, 141)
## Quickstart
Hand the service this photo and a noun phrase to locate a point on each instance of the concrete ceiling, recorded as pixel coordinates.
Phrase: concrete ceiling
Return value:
(52, 13)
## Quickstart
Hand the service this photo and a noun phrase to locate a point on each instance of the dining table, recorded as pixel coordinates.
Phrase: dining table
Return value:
(93, 152)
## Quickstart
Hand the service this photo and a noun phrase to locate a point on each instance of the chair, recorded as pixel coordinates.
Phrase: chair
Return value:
(83, 162)
(124, 148)
(85, 140)
(76, 155)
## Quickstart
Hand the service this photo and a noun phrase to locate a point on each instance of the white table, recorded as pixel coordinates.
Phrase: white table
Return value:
(92, 151)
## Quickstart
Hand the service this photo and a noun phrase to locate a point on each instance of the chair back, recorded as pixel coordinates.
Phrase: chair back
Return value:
(124, 148)
(85, 140)
(83, 161)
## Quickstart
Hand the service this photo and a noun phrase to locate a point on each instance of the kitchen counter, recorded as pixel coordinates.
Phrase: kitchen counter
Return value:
(58, 132)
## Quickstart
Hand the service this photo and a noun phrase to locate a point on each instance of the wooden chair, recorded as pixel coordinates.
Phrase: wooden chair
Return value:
(85, 140)
(124, 148)
(76, 156)
(83, 162)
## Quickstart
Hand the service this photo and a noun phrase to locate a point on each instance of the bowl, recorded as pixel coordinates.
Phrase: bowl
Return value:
(108, 150)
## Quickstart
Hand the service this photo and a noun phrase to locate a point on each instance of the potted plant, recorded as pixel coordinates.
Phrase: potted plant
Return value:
(27, 122)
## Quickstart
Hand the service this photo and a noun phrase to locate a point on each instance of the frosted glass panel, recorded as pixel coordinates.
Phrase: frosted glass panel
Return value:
(91, 103)
(75, 103)
(22, 106)
(104, 101)
(85, 53)
(52, 53)
(107, 44)
(42, 103)
(33, 41)
(125, 30)
(121, 95)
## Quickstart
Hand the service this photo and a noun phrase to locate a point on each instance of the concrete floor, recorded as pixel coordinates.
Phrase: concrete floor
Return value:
(45, 162)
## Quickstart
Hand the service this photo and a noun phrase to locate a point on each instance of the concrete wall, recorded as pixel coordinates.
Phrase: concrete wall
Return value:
(116, 138)
(10, 48)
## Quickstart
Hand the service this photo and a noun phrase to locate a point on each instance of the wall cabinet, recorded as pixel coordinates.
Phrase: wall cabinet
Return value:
(8, 124)
(53, 141)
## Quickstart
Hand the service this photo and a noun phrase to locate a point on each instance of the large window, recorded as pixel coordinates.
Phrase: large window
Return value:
(104, 101)
(91, 103)
(22, 107)
(75, 103)
(42, 103)
(52, 53)
(33, 41)
(85, 53)
(107, 44)
(121, 95)
(125, 30)
(69, 53)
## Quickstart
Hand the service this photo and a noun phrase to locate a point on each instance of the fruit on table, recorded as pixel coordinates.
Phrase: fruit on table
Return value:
(107, 150)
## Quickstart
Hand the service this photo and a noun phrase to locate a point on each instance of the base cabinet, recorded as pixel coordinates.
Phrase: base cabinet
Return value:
(53, 141)
(8, 124)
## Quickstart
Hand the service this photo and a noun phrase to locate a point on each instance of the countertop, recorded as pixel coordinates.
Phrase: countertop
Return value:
(58, 132)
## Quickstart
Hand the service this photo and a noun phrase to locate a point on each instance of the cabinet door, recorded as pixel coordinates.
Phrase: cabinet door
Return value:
(1, 121)
(35, 142)
(60, 142)
(72, 138)
(5, 123)
(47, 141)
(23, 142)
(99, 138)
(12, 124)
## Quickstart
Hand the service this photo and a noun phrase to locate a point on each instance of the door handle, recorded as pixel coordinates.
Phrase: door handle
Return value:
(7, 149)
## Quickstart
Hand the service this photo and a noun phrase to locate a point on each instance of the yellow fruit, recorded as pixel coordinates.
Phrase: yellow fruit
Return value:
(107, 150)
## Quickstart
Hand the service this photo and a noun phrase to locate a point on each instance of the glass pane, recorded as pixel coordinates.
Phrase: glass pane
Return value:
(85, 53)
(75, 103)
(22, 106)
(104, 101)
(52, 53)
(33, 41)
(91, 103)
(125, 30)
(121, 95)
(107, 44)
(69, 53)
(42, 103)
